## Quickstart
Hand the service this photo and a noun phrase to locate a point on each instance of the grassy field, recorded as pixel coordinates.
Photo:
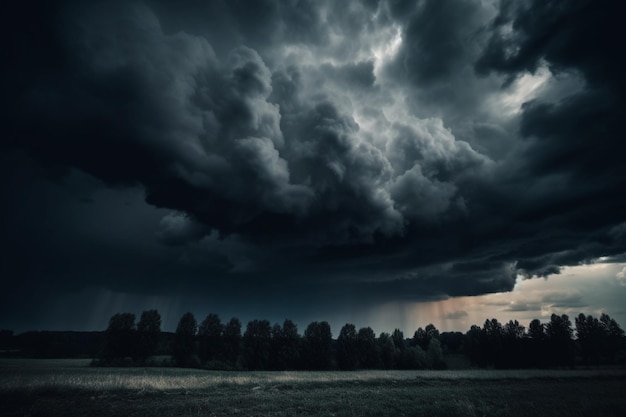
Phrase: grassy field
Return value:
(70, 387)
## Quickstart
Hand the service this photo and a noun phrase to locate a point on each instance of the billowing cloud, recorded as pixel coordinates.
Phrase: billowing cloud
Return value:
(365, 150)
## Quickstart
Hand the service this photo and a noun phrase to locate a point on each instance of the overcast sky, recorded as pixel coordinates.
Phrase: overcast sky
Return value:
(387, 163)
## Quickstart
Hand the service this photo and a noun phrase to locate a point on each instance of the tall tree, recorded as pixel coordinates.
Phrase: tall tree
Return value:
(120, 335)
(347, 348)
(232, 341)
(432, 331)
(148, 334)
(420, 338)
(452, 341)
(398, 340)
(387, 350)
(559, 336)
(536, 330)
(318, 340)
(492, 342)
(368, 356)
(184, 349)
(400, 358)
(257, 343)
(210, 335)
(474, 346)
(434, 354)
(513, 334)
(590, 338)
(536, 352)
(513, 330)
(286, 345)
(613, 336)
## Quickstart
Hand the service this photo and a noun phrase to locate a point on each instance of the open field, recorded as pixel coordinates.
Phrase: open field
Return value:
(70, 387)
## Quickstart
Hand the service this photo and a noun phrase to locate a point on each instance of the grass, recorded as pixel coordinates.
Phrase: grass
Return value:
(65, 388)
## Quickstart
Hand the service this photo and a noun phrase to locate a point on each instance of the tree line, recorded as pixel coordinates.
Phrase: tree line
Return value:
(213, 344)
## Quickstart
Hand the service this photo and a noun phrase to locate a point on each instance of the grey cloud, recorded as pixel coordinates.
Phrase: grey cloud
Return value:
(516, 306)
(564, 300)
(306, 145)
(552, 32)
(456, 315)
(359, 74)
(433, 51)
(178, 228)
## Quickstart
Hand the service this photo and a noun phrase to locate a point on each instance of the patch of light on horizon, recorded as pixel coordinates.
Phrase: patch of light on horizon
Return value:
(590, 289)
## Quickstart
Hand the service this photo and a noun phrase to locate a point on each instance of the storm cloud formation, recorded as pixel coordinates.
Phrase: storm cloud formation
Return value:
(377, 150)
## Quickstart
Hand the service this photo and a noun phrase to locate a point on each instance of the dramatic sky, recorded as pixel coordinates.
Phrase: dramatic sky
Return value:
(387, 163)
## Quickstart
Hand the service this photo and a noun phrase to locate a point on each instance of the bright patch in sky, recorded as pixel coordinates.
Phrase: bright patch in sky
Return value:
(524, 89)
(385, 51)
(589, 289)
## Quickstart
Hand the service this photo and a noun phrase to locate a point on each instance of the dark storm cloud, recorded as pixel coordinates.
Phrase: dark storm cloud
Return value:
(572, 146)
(432, 51)
(568, 35)
(343, 150)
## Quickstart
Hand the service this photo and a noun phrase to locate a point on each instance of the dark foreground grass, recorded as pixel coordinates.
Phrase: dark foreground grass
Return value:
(311, 394)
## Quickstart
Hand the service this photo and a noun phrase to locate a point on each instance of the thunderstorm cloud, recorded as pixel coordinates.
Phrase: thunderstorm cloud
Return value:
(311, 150)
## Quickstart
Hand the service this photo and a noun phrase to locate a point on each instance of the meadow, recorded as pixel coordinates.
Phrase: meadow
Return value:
(31, 387)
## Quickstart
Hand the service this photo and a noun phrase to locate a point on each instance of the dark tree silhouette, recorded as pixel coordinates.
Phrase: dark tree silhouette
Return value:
(414, 357)
(536, 330)
(318, 341)
(492, 342)
(513, 330)
(210, 335)
(285, 346)
(148, 334)
(452, 341)
(398, 340)
(184, 349)
(420, 338)
(599, 341)
(348, 348)
(434, 354)
(513, 334)
(368, 356)
(474, 346)
(120, 337)
(432, 331)
(536, 346)
(401, 359)
(232, 341)
(387, 350)
(408, 354)
(590, 337)
(257, 345)
(613, 336)
(559, 337)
